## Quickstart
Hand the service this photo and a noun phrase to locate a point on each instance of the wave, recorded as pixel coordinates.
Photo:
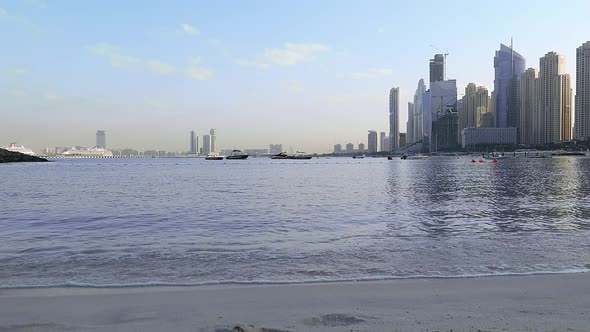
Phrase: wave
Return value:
(74, 284)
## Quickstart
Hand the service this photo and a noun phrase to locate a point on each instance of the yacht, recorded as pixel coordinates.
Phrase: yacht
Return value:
(213, 156)
(19, 148)
(237, 154)
(300, 156)
(282, 155)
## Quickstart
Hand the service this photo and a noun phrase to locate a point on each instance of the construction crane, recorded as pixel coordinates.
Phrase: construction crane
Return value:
(445, 53)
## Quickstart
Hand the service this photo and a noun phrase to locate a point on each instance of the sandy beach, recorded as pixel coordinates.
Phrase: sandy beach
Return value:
(538, 303)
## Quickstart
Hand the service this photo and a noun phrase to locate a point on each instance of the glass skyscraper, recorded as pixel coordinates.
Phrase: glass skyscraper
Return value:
(508, 66)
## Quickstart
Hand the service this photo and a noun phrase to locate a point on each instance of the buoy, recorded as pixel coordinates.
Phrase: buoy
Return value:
(481, 160)
(472, 160)
(495, 161)
(389, 158)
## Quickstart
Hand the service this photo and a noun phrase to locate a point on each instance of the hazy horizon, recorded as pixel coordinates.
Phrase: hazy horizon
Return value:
(306, 74)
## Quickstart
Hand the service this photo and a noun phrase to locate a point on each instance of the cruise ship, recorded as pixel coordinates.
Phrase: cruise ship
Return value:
(19, 148)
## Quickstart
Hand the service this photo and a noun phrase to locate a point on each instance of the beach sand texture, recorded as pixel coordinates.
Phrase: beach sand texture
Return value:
(514, 303)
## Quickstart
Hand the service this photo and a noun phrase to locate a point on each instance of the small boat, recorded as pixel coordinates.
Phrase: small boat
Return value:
(362, 156)
(282, 155)
(236, 154)
(213, 156)
(414, 157)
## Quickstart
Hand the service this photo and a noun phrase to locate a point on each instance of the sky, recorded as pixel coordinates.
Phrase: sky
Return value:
(306, 74)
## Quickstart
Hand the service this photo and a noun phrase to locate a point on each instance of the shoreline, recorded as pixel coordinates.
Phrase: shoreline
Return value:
(530, 302)
(153, 284)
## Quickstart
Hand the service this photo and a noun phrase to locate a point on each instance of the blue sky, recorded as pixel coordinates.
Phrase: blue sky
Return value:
(307, 74)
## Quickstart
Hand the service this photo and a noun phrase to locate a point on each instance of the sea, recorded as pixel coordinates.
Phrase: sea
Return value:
(189, 221)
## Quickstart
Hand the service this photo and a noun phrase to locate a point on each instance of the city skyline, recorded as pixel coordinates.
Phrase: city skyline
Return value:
(148, 83)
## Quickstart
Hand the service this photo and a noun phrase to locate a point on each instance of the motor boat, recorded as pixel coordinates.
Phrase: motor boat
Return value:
(282, 155)
(236, 154)
(362, 156)
(213, 156)
(300, 156)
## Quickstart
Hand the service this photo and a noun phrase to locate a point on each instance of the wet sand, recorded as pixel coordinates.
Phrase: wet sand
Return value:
(516, 303)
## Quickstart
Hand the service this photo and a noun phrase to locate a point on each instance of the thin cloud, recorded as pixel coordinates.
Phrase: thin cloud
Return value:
(118, 60)
(196, 71)
(3, 12)
(371, 73)
(290, 54)
(293, 86)
(189, 29)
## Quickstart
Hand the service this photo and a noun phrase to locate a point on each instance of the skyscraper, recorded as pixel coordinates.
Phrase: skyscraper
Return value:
(213, 138)
(418, 112)
(337, 148)
(508, 66)
(529, 121)
(349, 147)
(372, 141)
(410, 124)
(207, 144)
(101, 140)
(394, 119)
(555, 99)
(383, 139)
(437, 68)
(194, 142)
(475, 106)
(582, 125)
(275, 148)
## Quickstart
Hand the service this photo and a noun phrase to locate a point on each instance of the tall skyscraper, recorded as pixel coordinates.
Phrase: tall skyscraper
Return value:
(101, 140)
(508, 66)
(582, 125)
(410, 124)
(394, 119)
(361, 147)
(337, 148)
(207, 144)
(372, 141)
(555, 99)
(418, 112)
(194, 143)
(437, 68)
(529, 120)
(213, 134)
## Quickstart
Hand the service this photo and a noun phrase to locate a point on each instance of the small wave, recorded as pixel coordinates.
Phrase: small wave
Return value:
(74, 284)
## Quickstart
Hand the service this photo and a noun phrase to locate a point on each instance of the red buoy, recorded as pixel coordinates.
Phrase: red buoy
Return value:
(481, 160)
(472, 160)
(495, 161)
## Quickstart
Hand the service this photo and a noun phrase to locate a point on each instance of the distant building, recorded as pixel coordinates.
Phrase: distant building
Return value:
(508, 66)
(529, 119)
(101, 140)
(471, 138)
(394, 119)
(206, 144)
(410, 124)
(256, 152)
(372, 141)
(213, 139)
(437, 68)
(337, 148)
(275, 148)
(555, 99)
(446, 132)
(418, 110)
(194, 142)
(402, 140)
(383, 141)
(349, 148)
(582, 125)
(443, 101)
(361, 147)
(475, 106)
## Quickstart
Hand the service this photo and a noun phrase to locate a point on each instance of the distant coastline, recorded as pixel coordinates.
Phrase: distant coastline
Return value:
(17, 157)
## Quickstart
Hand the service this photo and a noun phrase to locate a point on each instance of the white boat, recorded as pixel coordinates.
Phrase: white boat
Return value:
(19, 148)
(359, 157)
